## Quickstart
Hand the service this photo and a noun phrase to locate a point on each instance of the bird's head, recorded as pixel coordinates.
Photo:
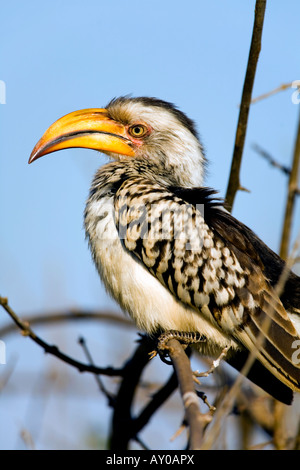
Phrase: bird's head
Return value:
(132, 128)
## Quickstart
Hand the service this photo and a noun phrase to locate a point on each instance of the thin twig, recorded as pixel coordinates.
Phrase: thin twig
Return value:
(271, 160)
(282, 87)
(258, 408)
(204, 398)
(261, 445)
(102, 388)
(291, 197)
(123, 427)
(27, 439)
(156, 402)
(234, 178)
(67, 316)
(280, 434)
(52, 349)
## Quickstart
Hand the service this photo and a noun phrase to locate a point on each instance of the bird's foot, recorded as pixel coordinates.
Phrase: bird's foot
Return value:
(213, 367)
(184, 337)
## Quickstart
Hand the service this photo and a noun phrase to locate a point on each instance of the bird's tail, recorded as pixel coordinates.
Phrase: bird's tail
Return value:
(270, 334)
(261, 376)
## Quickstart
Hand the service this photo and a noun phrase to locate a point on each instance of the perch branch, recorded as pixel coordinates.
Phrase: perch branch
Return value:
(196, 420)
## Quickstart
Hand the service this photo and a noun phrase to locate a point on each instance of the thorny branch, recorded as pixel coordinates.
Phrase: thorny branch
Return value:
(234, 178)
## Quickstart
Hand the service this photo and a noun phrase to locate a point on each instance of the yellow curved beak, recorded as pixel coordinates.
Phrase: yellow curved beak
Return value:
(88, 128)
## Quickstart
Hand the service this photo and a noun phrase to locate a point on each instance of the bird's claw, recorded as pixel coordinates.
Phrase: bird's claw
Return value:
(184, 337)
(152, 354)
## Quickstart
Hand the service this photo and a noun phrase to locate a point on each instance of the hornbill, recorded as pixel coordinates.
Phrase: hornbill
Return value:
(167, 250)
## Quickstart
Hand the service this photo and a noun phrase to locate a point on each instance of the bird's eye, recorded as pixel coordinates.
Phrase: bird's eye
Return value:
(137, 130)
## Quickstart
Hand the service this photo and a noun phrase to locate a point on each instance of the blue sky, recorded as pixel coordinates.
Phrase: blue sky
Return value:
(60, 56)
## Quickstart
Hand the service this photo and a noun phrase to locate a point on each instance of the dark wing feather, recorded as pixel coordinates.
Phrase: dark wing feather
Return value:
(242, 237)
(223, 271)
(259, 375)
(279, 332)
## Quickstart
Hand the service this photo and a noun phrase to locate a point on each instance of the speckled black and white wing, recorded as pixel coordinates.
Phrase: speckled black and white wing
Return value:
(221, 277)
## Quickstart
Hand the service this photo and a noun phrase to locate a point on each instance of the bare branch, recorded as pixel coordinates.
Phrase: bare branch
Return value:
(280, 435)
(271, 160)
(123, 427)
(234, 178)
(282, 87)
(70, 315)
(52, 349)
(290, 202)
(157, 400)
(196, 420)
(109, 396)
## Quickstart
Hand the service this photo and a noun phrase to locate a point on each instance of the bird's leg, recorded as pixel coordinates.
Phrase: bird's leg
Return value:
(184, 337)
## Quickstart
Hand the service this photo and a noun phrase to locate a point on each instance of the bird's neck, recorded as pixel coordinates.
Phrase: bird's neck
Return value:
(109, 177)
